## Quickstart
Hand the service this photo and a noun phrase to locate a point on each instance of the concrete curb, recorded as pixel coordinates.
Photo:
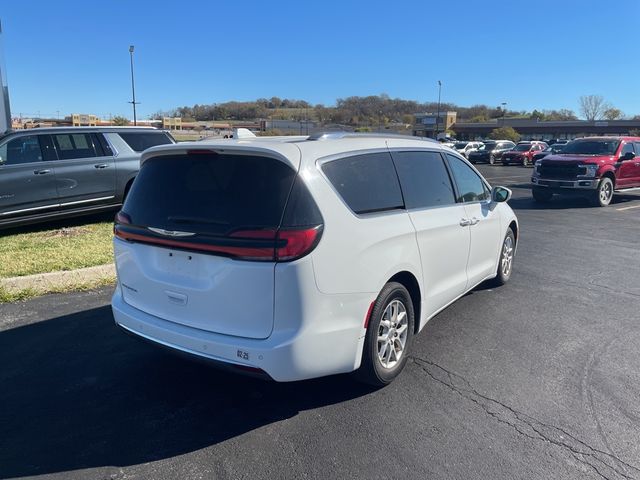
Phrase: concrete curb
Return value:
(46, 282)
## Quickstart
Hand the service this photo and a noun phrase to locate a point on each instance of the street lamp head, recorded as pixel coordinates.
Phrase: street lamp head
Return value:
(439, 83)
(130, 48)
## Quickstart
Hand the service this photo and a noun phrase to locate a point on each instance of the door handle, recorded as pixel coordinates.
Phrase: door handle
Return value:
(101, 165)
(465, 222)
(474, 221)
(41, 172)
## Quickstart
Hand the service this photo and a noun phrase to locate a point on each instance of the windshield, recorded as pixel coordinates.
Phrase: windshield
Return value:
(591, 147)
(524, 147)
(488, 146)
(460, 144)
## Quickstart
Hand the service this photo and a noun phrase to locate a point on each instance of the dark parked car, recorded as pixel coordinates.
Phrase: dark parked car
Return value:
(491, 151)
(551, 150)
(523, 153)
(49, 173)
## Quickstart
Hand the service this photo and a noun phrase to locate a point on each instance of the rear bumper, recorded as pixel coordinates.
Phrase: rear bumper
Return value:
(318, 349)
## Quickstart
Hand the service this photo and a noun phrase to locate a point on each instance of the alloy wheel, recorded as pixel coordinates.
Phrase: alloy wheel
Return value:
(392, 334)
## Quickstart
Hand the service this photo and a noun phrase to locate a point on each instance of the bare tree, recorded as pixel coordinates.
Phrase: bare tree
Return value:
(592, 107)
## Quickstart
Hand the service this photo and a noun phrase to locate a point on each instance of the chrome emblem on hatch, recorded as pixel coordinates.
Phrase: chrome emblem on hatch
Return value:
(171, 233)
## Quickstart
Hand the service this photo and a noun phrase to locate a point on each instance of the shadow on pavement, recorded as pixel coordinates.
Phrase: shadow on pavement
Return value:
(78, 393)
(560, 202)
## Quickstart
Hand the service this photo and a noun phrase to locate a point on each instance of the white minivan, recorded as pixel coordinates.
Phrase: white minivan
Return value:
(299, 257)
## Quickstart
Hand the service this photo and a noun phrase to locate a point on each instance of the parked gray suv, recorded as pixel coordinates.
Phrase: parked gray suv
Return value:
(49, 173)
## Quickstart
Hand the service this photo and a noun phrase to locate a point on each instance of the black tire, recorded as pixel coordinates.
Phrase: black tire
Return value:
(541, 195)
(503, 275)
(604, 193)
(492, 159)
(371, 370)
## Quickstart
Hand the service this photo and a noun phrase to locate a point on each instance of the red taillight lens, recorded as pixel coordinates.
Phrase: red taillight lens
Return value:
(298, 243)
(282, 245)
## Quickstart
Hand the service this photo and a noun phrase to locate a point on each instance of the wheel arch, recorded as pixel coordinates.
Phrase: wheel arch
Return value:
(611, 175)
(410, 282)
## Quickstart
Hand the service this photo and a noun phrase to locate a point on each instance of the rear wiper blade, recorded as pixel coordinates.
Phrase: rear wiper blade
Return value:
(197, 220)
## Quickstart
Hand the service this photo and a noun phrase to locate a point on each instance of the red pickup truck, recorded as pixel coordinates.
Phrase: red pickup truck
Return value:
(595, 167)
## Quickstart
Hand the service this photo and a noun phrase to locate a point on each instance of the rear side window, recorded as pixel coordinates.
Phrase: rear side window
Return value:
(74, 145)
(24, 149)
(210, 194)
(367, 183)
(470, 186)
(424, 179)
(301, 210)
(139, 141)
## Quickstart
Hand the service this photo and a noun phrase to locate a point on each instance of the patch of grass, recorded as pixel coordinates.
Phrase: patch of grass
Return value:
(7, 296)
(54, 250)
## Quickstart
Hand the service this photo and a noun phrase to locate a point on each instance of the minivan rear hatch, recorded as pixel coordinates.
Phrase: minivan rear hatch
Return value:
(199, 236)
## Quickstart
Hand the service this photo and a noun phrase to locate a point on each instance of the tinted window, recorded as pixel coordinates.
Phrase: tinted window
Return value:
(592, 147)
(301, 210)
(106, 148)
(637, 144)
(139, 141)
(628, 147)
(424, 179)
(210, 194)
(24, 149)
(74, 145)
(367, 183)
(470, 186)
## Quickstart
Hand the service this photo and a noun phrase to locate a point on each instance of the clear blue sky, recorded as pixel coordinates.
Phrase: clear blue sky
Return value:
(72, 56)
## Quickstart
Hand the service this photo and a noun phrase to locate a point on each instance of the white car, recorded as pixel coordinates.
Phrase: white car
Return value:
(465, 148)
(303, 257)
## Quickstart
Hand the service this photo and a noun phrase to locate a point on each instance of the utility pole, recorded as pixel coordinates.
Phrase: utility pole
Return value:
(504, 109)
(133, 87)
(438, 116)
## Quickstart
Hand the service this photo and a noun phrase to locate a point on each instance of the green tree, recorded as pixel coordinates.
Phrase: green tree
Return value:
(504, 133)
(119, 121)
(612, 113)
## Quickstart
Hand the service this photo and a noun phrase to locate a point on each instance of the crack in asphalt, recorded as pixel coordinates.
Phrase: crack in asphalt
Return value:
(602, 463)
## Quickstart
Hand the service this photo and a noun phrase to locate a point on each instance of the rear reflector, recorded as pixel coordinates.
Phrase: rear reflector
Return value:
(368, 317)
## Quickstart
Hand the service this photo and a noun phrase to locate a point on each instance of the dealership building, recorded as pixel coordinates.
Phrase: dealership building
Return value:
(533, 129)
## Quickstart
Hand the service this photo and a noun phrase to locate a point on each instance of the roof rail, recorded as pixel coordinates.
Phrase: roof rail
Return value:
(338, 135)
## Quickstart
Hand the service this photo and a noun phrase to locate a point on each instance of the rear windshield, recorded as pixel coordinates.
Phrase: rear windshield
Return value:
(488, 146)
(210, 194)
(592, 147)
(460, 144)
(139, 141)
(523, 147)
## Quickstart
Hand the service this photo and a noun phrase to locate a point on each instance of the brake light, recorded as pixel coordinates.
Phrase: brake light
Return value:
(298, 243)
(260, 245)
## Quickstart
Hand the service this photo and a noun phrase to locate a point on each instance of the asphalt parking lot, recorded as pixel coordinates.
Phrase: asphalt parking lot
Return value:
(537, 379)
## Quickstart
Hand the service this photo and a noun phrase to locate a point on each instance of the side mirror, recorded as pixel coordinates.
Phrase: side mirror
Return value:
(626, 156)
(500, 194)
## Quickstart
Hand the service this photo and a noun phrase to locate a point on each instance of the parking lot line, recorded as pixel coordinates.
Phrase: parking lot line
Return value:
(627, 208)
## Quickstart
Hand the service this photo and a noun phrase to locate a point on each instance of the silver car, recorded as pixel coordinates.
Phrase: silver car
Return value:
(50, 173)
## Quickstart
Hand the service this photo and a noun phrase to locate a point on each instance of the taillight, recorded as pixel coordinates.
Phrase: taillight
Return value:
(289, 244)
(298, 242)
(120, 219)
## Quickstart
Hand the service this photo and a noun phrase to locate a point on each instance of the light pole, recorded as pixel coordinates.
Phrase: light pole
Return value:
(438, 115)
(133, 88)
(504, 109)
